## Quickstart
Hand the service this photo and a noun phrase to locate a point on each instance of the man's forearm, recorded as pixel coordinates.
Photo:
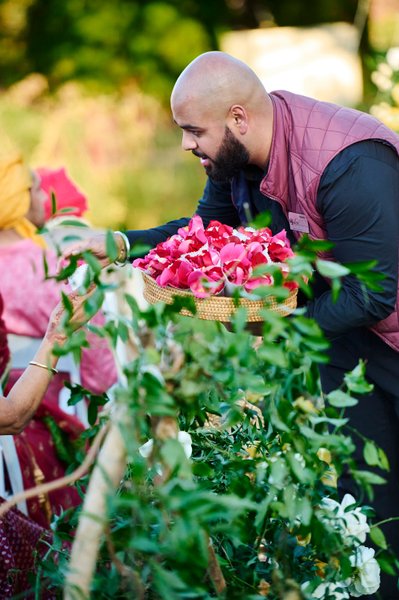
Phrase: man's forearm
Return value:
(152, 237)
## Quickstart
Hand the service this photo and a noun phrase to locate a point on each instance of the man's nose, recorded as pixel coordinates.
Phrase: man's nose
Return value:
(188, 142)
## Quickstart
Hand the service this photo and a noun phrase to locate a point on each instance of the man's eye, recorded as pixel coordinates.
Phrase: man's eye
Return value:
(196, 133)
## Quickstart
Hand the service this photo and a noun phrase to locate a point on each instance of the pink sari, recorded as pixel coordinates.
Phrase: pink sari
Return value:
(4, 351)
(28, 302)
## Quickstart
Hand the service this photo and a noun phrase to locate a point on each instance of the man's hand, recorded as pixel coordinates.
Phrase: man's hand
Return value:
(98, 246)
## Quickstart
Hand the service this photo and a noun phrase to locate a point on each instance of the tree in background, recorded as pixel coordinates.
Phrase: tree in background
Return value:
(105, 43)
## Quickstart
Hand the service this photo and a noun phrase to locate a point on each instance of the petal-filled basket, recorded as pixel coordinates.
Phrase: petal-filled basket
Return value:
(205, 262)
(218, 308)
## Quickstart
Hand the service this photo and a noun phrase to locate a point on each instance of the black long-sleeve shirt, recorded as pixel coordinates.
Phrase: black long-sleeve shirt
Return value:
(358, 197)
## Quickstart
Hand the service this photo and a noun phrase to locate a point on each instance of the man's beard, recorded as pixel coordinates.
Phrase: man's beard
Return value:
(230, 159)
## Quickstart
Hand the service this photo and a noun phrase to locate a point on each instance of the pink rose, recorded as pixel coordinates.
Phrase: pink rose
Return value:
(256, 282)
(279, 247)
(207, 282)
(236, 263)
(262, 236)
(176, 275)
(218, 234)
(195, 229)
(202, 260)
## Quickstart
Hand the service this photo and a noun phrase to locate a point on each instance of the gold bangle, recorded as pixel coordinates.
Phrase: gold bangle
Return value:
(37, 364)
(124, 252)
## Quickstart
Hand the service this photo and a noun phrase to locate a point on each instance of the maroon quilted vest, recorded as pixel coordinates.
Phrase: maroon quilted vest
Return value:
(307, 134)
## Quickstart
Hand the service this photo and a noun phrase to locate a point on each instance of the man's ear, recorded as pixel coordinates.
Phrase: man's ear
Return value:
(239, 119)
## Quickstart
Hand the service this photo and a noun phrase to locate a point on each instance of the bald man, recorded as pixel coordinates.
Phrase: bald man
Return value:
(320, 169)
(221, 106)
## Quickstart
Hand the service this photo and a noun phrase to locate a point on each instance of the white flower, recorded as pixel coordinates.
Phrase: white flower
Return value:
(393, 58)
(355, 520)
(353, 523)
(381, 81)
(328, 590)
(183, 437)
(385, 69)
(367, 577)
(146, 449)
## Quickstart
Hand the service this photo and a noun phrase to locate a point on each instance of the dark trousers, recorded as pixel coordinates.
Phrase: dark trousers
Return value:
(376, 416)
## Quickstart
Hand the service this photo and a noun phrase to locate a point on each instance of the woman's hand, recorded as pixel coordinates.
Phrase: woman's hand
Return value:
(79, 317)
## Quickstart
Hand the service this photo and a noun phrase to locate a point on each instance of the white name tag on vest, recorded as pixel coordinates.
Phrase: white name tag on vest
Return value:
(298, 222)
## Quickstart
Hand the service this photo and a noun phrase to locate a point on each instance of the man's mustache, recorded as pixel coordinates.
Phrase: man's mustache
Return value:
(199, 154)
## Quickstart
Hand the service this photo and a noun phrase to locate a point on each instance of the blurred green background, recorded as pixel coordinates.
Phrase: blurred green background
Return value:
(86, 84)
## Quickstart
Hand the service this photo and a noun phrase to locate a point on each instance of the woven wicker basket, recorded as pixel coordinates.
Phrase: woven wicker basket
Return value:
(217, 308)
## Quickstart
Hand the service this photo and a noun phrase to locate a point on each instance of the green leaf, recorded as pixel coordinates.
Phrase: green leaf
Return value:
(304, 510)
(45, 266)
(369, 477)
(123, 331)
(370, 453)
(143, 544)
(67, 304)
(167, 583)
(278, 472)
(261, 220)
(303, 475)
(308, 327)
(66, 210)
(378, 537)
(71, 238)
(361, 267)
(383, 462)
(276, 419)
(201, 469)
(305, 243)
(331, 421)
(386, 563)
(274, 355)
(331, 269)
(92, 413)
(69, 269)
(138, 250)
(74, 223)
(111, 246)
(93, 262)
(355, 380)
(173, 456)
(94, 303)
(335, 289)
(340, 399)
(53, 203)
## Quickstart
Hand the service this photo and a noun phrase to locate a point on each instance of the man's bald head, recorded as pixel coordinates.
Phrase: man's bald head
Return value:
(217, 81)
(224, 112)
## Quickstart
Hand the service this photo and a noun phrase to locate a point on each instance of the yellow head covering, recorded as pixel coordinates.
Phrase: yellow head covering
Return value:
(15, 182)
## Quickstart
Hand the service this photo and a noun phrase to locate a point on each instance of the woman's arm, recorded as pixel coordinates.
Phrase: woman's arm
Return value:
(25, 396)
